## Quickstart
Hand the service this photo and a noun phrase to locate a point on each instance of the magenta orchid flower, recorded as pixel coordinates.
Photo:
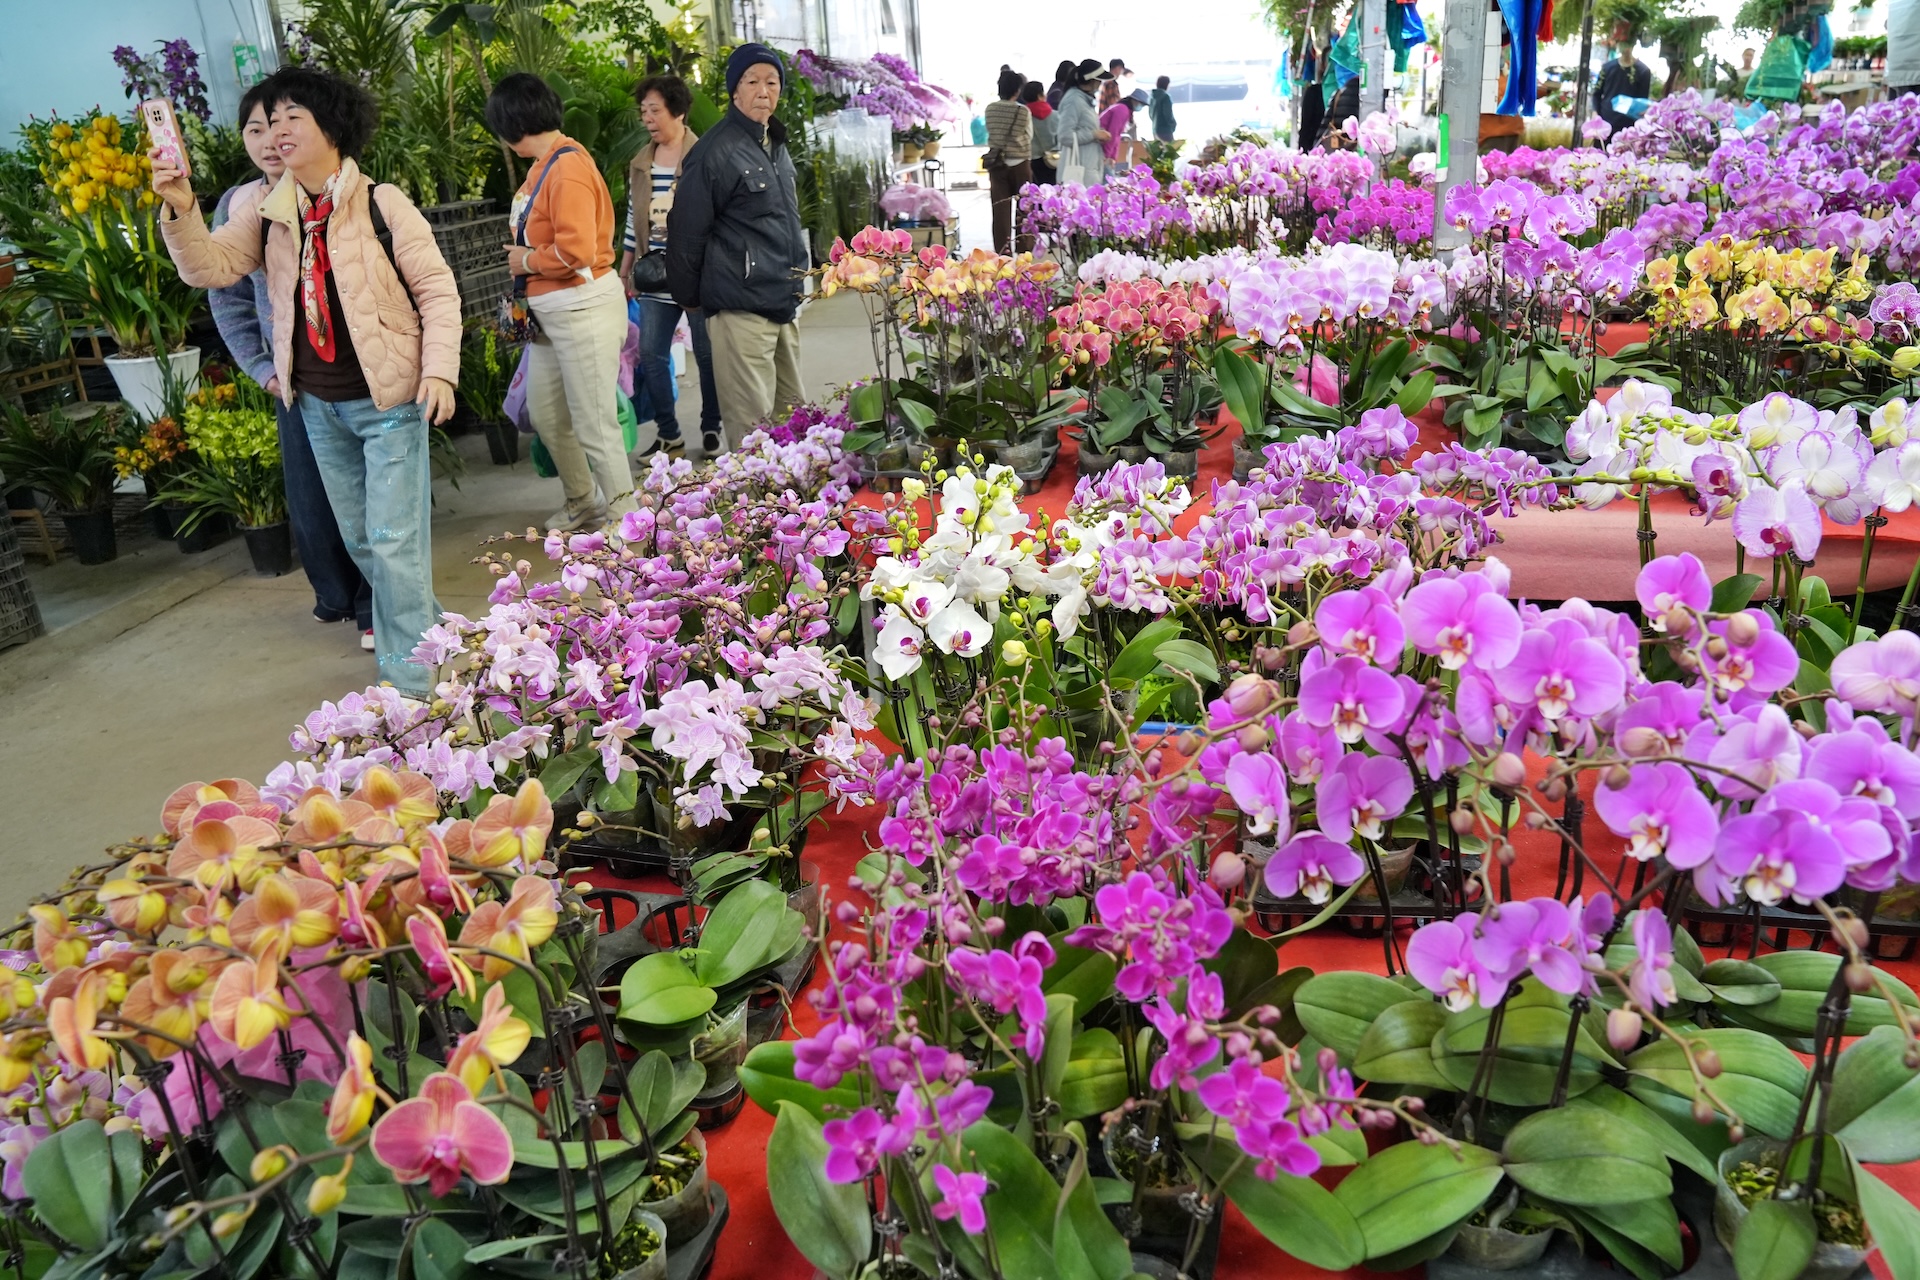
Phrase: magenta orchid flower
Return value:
(1766, 663)
(1759, 749)
(855, 1144)
(1462, 621)
(441, 1133)
(1771, 857)
(1880, 675)
(1311, 865)
(1864, 762)
(1350, 695)
(1660, 813)
(1255, 1104)
(1535, 936)
(1362, 623)
(1650, 980)
(1561, 670)
(1441, 955)
(1008, 981)
(960, 1196)
(1258, 784)
(1361, 795)
(1673, 582)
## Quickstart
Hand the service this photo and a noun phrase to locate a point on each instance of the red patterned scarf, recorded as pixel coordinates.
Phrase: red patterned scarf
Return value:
(314, 266)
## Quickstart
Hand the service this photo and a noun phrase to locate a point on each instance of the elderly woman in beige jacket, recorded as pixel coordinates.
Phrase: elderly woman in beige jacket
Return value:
(366, 335)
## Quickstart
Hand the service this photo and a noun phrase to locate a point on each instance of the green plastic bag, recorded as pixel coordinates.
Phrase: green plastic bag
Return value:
(629, 432)
(1782, 67)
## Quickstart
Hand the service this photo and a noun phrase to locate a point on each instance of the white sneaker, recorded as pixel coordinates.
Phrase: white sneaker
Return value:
(568, 522)
(366, 641)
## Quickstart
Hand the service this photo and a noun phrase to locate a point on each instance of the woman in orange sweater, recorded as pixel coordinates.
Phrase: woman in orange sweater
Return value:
(564, 244)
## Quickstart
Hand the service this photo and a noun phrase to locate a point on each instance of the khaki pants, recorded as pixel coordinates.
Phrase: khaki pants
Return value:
(756, 369)
(573, 381)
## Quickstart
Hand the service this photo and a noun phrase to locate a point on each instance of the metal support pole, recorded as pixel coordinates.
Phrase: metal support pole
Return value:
(1373, 56)
(1463, 47)
(1584, 69)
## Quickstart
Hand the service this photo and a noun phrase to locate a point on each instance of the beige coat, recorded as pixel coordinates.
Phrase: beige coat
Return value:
(640, 186)
(397, 347)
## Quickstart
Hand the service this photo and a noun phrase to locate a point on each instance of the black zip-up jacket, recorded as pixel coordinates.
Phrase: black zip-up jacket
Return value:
(734, 239)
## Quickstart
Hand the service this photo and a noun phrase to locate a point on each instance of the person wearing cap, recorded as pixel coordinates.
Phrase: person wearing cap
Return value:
(1122, 75)
(1078, 134)
(736, 250)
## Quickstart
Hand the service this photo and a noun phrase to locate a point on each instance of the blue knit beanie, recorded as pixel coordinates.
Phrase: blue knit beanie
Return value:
(748, 55)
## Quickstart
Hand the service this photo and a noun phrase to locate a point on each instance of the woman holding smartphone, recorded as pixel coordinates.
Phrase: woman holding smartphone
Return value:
(366, 334)
(244, 315)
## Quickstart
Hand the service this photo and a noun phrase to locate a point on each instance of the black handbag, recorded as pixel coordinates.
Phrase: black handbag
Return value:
(650, 272)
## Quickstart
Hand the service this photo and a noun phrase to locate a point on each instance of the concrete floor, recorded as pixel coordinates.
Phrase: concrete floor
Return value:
(160, 669)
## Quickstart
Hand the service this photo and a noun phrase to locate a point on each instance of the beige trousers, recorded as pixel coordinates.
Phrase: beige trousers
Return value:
(573, 376)
(756, 370)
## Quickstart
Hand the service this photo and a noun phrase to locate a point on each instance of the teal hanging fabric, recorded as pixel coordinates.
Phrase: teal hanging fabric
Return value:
(1782, 67)
(1345, 57)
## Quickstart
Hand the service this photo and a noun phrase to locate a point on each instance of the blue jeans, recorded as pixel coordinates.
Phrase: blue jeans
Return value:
(375, 468)
(657, 323)
(339, 588)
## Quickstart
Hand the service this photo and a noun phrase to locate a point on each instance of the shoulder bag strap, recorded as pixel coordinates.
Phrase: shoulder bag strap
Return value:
(526, 211)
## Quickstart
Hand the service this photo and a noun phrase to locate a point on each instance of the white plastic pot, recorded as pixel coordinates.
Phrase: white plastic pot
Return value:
(142, 384)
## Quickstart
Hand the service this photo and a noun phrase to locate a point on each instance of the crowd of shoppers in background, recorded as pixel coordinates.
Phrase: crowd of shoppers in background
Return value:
(332, 294)
(1086, 122)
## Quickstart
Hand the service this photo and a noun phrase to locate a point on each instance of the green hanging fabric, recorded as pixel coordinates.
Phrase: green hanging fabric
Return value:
(1782, 67)
(1345, 57)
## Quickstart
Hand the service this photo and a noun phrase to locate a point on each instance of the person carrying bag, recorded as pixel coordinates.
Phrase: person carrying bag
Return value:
(1083, 158)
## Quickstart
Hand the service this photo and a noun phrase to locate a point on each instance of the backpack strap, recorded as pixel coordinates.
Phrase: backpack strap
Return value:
(384, 234)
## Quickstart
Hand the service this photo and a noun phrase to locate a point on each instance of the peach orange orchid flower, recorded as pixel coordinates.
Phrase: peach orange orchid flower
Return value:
(172, 999)
(71, 1021)
(515, 828)
(179, 812)
(440, 1134)
(514, 928)
(247, 1005)
(134, 907)
(221, 853)
(406, 799)
(444, 969)
(497, 1040)
(285, 912)
(57, 943)
(353, 1097)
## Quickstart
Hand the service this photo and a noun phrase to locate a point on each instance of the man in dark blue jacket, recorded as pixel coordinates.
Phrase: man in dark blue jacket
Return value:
(737, 252)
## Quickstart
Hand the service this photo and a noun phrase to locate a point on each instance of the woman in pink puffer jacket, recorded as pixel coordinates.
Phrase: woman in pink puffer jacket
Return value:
(366, 339)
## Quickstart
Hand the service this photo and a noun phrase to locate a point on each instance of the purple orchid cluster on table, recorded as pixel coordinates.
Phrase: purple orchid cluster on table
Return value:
(647, 654)
(1388, 215)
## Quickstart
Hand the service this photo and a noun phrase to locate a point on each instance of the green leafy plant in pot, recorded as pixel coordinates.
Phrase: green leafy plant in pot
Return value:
(691, 1002)
(235, 471)
(69, 454)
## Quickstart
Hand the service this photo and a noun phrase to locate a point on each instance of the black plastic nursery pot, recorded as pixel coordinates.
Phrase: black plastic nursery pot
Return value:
(271, 546)
(203, 536)
(91, 535)
(503, 442)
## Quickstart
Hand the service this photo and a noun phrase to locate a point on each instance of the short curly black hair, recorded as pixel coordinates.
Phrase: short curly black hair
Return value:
(522, 105)
(673, 92)
(345, 112)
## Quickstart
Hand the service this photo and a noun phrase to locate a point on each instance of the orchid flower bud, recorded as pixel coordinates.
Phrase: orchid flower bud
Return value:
(1623, 1029)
